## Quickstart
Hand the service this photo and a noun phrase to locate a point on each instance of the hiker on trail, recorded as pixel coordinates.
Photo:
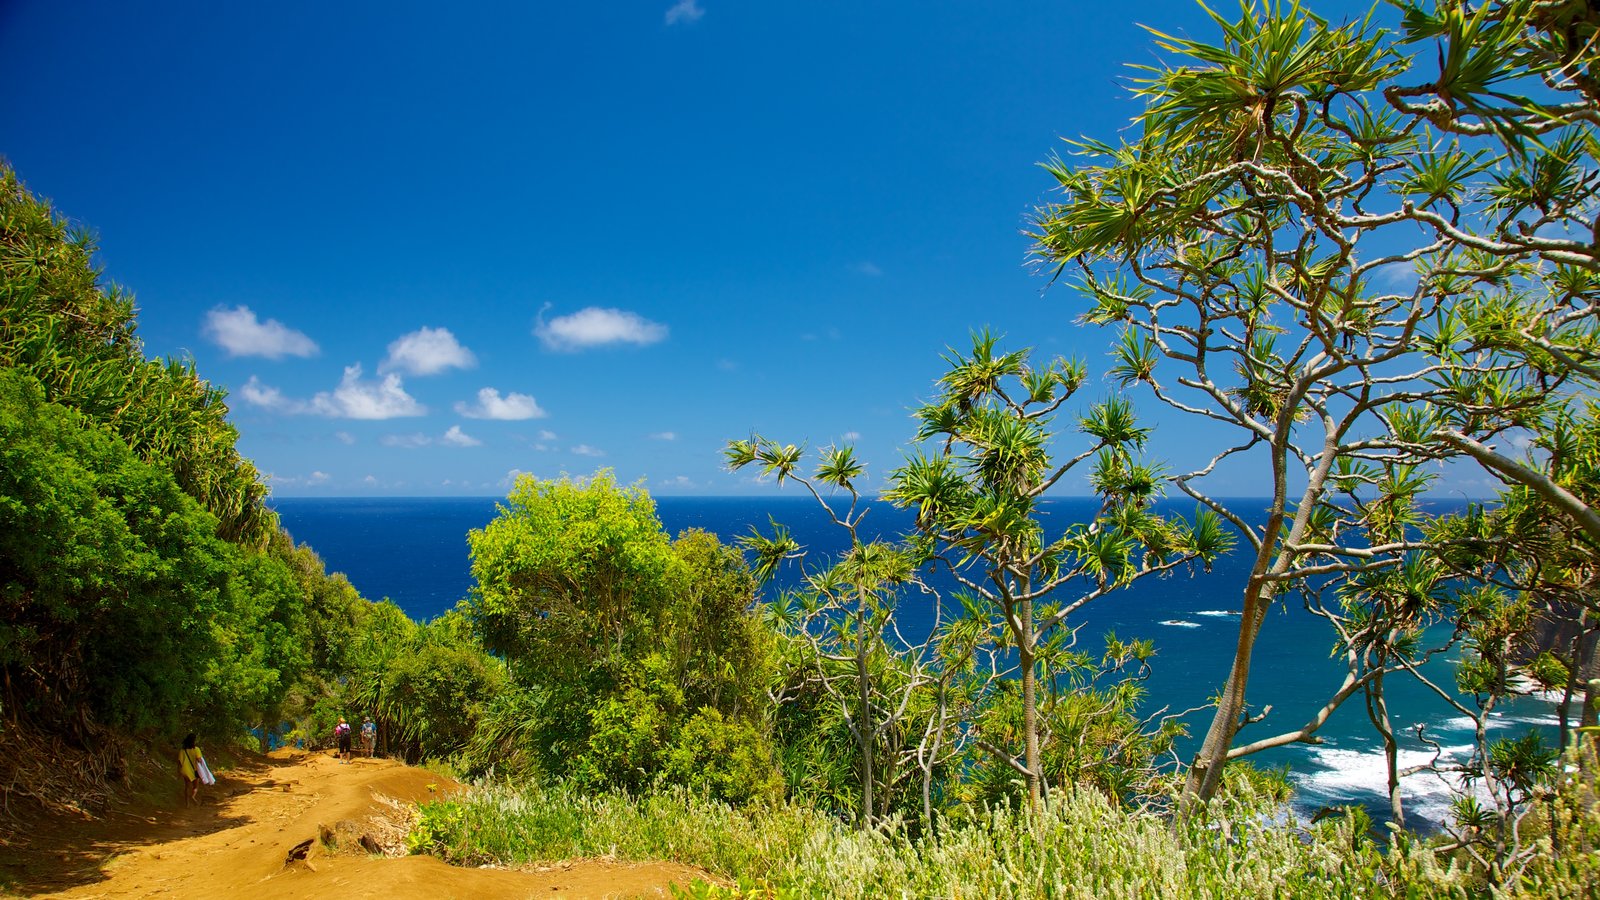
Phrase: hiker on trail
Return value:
(192, 764)
(342, 732)
(369, 736)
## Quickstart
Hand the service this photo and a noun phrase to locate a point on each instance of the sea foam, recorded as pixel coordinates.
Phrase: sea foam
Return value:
(1344, 776)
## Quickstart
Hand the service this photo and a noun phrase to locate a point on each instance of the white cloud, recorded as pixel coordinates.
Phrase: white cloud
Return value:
(312, 480)
(868, 269)
(850, 436)
(509, 408)
(352, 399)
(455, 437)
(344, 437)
(406, 441)
(597, 326)
(586, 450)
(547, 435)
(727, 365)
(427, 351)
(684, 11)
(258, 394)
(664, 436)
(511, 477)
(239, 332)
(370, 480)
(1400, 277)
(681, 481)
(357, 399)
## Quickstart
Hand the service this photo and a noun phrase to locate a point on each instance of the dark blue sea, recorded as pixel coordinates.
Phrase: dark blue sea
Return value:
(414, 551)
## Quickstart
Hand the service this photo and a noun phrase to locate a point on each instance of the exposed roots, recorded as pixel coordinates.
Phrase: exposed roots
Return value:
(47, 772)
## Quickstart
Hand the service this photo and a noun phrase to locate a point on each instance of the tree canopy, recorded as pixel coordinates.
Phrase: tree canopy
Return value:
(626, 648)
(1362, 250)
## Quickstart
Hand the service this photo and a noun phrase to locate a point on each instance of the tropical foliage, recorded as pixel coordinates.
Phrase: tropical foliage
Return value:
(119, 598)
(145, 590)
(1364, 253)
(633, 657)
(1362, 250)
(62, 325)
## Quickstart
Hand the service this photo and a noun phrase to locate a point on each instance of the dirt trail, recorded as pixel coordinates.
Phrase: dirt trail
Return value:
(234, 846)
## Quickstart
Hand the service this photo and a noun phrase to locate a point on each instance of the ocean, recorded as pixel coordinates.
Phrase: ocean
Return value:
(413, 551)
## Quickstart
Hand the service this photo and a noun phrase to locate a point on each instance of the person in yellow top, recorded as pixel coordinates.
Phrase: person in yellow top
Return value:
(191, 762)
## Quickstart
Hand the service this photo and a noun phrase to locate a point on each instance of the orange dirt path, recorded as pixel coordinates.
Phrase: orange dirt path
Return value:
(233, 847)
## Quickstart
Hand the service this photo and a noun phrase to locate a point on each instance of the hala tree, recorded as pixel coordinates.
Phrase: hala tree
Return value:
(1516, 98)
(1345, 262)
(1529, 574)
(841, 627)
(976, 488)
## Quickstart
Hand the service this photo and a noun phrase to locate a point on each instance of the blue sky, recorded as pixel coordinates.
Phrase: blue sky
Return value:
(424, 247)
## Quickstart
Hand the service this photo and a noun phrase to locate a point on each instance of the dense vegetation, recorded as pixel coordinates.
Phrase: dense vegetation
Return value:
(145, 590)
(1359, 262)
(1078, 845)
(634, 659)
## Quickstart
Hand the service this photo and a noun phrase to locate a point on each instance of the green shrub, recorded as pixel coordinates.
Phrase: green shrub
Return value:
(730, 761)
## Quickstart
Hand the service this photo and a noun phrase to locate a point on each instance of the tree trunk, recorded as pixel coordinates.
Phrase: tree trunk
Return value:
(1205, 773)
(932, 759)
(1378, 712)
(864, 726)
(1030, 714)
(1574, 676)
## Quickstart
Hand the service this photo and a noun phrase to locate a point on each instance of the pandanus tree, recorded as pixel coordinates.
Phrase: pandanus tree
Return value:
(1347, 261)
(1516, 100)
(843, 621)
(1519, 82)
(977, 489)
(1527, 611)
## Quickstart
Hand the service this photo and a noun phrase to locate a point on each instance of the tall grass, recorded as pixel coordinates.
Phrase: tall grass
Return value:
(1081, 846)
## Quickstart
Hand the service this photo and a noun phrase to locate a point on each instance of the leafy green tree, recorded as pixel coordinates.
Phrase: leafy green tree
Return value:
(434, 692)
(616, 637)
(333, 607)
(1090, 709)
(119, 598)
